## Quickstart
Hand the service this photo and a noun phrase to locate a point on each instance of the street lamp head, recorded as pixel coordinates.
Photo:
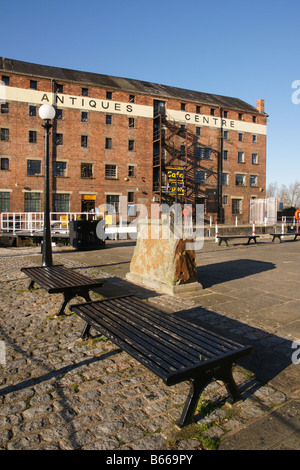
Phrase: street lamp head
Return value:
(47, 112)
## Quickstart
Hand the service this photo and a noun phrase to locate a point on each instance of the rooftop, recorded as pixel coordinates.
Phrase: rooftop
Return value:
(124, 84)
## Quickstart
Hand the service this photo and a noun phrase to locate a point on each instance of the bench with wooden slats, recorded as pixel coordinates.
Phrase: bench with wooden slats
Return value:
(282, 235)
(171, 347)
(59, 279)
(225, 238)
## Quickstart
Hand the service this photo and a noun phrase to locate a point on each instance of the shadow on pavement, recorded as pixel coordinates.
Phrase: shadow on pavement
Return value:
(216, 273)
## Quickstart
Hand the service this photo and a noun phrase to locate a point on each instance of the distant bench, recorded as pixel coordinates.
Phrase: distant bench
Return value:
(225, 238)
(172, 348)
(59, 279)
(280, 235)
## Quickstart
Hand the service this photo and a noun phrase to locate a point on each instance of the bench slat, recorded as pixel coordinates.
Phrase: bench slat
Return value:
(56, 278)
(194, 331)
(135, 339)
(173, 326)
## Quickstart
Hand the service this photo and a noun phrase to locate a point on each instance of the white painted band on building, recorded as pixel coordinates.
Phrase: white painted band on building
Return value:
(130, 109)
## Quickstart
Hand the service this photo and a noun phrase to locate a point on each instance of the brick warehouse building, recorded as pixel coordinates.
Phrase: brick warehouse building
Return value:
(115, 137)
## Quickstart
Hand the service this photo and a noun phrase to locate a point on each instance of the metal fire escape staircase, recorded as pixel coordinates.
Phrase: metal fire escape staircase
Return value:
(175, 146)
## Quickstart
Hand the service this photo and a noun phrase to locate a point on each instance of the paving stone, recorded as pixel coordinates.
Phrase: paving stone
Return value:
(59, 392)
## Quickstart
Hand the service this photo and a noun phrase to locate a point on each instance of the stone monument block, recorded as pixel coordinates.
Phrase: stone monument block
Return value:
(161, 260)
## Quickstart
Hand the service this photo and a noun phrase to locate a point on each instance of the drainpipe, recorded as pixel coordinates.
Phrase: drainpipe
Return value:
(220, 169)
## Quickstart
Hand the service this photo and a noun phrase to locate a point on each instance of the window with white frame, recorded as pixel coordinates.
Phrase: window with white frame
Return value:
(241, 157)
(110, 171)
(240, 179)
(254, 158)
(236, 206)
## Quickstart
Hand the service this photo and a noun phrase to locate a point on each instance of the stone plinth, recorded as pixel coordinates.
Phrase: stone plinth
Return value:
(161, 261)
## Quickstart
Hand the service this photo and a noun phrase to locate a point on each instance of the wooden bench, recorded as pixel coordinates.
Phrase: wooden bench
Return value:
(172, 348)
(225, 238)
(59, 279)
(280, 235)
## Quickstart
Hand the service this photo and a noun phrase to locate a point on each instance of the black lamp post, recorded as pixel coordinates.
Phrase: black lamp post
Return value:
(47, 113)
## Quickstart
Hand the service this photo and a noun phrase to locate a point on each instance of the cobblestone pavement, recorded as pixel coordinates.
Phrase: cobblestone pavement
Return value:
(60, 392)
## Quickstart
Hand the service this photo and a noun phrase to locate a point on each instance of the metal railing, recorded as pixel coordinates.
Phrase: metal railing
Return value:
(31, 222)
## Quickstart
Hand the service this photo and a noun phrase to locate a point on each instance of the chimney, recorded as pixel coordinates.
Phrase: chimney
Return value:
(260, 106)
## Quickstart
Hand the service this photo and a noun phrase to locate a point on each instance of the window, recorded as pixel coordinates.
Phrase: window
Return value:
(108, 95)
(225, 154)
(131, 122)
(33, 84)
(207, 153)
(199, 152)
(131, 98)
(4, 201)
(4, 108)
(130, 196)
(131, 145)
(198, 131)
(32, 202)
(254, 139)
(84, 91)
(59, 88)
(59, 114)
(84, 116)
(32, 111)
(240, 116)
(182, 150)
(253, 181)
(225, 199)
(253, 118)
(110, 171)
(225, 135)
(254, 158)
(58, 139)
(240, 180)
(84, 139)
(59, 168)
(236, 206)
(224, 179)
(225, 114)
(112, 201)
(108, 143)
(131, 171)
(212, 111)
(240, 157)
(4, 163)
(32, 137)
(240, 137)
(5, 80)
(61, 203)
(200, 176)
(33, 167)
(4, 134)
(86, 170)
(182, 106)
(108, 119)
(198, 109)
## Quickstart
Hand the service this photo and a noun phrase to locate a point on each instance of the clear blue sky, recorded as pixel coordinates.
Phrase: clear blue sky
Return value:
(248, 50)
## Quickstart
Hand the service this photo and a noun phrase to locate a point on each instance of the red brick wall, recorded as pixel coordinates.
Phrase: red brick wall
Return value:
(18, 149)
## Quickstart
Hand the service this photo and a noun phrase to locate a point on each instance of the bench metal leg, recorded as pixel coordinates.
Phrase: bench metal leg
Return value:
(197, 386)
(67, 298)
(70, 296)
(86, 331)
(31, 284)
(227, 378)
